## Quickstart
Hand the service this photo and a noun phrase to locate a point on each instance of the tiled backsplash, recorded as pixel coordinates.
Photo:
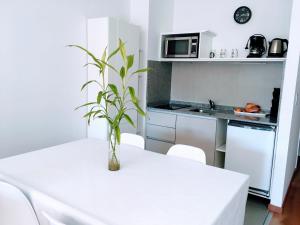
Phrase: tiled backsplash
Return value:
(231, 84)
(226, 83)
(159, 82)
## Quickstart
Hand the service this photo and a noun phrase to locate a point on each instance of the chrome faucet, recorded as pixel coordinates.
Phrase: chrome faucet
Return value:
(212, 104)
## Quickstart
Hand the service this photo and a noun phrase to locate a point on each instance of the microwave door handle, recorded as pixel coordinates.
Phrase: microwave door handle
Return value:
(166, 48)
(190, 46)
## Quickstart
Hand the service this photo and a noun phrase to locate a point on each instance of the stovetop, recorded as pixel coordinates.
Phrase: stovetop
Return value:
(171, 106)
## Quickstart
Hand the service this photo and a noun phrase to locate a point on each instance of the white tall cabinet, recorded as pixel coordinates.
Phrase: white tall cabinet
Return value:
(102, 33)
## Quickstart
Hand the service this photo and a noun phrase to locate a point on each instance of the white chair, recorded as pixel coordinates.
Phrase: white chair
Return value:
(188, 152)
(15, 208)
(133, 139)
(50, 211)
(51, 220)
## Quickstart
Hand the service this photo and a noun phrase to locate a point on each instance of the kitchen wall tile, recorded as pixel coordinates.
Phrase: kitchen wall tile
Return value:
(159, 82)
(226, 83)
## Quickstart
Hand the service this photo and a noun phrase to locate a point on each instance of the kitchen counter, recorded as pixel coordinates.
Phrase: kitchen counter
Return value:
(216, 115)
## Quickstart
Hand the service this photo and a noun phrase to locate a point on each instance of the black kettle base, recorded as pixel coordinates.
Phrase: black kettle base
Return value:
(275, 56)
(254, 56)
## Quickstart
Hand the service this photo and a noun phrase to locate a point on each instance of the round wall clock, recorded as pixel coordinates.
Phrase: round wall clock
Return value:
(242, 15)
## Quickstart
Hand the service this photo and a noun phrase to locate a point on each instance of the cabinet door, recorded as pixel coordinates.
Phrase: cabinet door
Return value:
(198, 132)
(160, 133)
(161, 119)
(158, 146)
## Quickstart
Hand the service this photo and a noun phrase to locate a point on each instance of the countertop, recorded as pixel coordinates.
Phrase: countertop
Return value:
(216, 115)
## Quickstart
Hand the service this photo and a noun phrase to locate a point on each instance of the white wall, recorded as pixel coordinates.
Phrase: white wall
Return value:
(289, 120)
(160, 20)
(235, 84)
(40, 77)
(270, 17)
(226, 83)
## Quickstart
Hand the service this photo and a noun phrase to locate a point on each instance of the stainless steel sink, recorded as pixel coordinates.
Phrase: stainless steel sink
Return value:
(210, 111)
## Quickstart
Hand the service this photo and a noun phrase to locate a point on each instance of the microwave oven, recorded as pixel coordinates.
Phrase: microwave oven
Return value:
(181, 45)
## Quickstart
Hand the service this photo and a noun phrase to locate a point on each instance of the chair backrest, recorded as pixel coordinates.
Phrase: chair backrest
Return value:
(15, 208)
(133, 139)
(189, 152)
(51, 220)
(50, 211)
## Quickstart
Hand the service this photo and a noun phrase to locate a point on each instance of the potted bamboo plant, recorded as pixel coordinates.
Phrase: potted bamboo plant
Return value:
(113, 101)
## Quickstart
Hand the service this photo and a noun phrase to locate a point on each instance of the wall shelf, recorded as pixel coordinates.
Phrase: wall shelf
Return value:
(229, 60)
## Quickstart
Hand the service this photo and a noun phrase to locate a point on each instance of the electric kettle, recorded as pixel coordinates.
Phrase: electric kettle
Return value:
(278, 47)
(257, 45)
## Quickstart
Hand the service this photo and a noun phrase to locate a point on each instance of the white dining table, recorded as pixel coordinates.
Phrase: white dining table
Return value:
(71, 182)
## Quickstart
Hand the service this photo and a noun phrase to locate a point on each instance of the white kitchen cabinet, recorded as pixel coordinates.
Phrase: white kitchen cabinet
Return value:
(161, 119)
(105, 33)
(199, 132)
(160, 133)
(158, 146)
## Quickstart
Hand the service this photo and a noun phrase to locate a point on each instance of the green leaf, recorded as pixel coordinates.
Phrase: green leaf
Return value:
(118, 134)
(141, 71)
(122, 72)
(99, 97)
(130, 60)
(135, 101)
(101, 117)
(110, 66)
(89, 82)
(88, 114)
(94, 64)
(114, 89)
(86, 104)
(122, 50)
(129, 120)
(113, 53)
(87, 51)
(139, 109)
(103, 59)
(98, 112)
(132, 94)
(104, 55)
(109, 121)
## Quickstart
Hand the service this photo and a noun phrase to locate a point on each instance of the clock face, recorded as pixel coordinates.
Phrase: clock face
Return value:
(242, 15)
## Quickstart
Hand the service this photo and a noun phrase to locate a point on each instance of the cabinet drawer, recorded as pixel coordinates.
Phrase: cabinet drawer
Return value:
(161, 119)
(158, 146)
(160, 133)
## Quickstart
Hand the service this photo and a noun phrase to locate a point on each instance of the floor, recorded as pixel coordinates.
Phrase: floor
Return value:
(291, 211)
(257, 211)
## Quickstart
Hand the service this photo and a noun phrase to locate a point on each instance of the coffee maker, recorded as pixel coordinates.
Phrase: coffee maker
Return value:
(257, 45)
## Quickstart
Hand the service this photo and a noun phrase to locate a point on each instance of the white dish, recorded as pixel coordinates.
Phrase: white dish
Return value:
(261, 114)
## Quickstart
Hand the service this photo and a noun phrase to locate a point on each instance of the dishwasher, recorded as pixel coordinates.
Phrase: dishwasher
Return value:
(250, 150)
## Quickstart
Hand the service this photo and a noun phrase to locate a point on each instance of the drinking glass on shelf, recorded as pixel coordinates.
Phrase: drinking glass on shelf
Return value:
(223, 53)
(232, 53)
(236, 53)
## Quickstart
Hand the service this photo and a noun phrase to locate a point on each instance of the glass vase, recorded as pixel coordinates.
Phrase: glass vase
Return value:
(113, 153)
